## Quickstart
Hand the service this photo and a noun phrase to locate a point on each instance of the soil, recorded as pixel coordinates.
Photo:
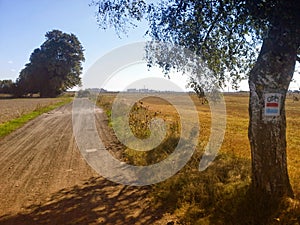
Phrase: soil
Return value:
(45, 180)
(13, 108)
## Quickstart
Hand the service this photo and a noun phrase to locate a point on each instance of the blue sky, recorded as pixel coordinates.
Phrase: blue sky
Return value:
(23, 25)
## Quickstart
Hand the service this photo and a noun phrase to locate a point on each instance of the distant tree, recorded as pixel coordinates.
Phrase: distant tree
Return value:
(226, 34)
(193, 83)
(83, 93)
(6, 86)
(54, 67)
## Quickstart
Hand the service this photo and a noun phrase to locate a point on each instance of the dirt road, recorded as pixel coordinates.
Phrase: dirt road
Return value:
(45, 180)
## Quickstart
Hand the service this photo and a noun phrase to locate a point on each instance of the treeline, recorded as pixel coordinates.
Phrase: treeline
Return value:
(52, 69)
(7, 87)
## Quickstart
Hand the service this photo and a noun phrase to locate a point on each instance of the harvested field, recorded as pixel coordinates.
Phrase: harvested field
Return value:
(14, 108)
(236, 136)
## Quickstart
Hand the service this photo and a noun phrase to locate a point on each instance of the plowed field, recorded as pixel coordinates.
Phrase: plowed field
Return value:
(13, 108)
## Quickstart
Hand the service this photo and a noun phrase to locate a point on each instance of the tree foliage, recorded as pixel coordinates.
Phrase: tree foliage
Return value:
(225, 33)
(54, 67)
(235, 38)
(6, 86)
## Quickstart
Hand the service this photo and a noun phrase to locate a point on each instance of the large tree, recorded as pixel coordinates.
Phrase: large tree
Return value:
(54, 67)
(235, 38)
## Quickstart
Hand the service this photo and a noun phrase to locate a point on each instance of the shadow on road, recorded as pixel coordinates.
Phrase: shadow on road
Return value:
(97, 201)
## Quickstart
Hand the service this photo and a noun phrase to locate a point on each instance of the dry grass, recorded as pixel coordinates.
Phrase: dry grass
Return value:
(221, 193)
(236, 137)
(293, 143)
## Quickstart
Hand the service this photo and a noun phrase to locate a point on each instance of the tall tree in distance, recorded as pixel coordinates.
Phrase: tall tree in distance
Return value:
(54, 67)
(258, 39)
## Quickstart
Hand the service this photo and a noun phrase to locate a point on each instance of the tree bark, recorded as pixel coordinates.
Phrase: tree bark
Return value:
(267, 134)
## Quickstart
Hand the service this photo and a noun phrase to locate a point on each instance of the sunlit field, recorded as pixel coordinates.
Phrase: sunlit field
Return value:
(203, 197)
(236, 137)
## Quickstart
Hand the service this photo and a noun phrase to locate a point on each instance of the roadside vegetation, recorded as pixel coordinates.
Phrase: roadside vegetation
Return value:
(221, 194)
(14, 123)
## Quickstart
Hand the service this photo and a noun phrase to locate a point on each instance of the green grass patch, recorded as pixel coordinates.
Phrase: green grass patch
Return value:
(12, 125)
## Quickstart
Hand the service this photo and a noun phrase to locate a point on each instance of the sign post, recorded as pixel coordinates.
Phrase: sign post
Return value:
(272, 104)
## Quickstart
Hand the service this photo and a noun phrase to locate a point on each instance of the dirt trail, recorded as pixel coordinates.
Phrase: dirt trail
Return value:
(45, 180)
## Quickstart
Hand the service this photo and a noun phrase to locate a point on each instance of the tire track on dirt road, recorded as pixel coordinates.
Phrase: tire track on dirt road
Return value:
(45, 180)
(33, 161)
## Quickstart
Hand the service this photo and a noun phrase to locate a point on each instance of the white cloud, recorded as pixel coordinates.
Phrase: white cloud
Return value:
(10, 62)
(12, 70)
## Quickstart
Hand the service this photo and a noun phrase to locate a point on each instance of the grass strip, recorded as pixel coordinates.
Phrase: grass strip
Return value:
(14, 124)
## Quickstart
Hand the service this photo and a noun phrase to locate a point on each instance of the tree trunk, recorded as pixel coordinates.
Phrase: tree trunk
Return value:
(271, 76)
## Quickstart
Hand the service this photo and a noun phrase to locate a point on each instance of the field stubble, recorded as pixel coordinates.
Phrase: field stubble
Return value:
(221, 190)
(14, 108)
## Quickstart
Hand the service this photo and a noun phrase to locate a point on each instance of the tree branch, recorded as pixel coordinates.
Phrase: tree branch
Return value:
(214, 22)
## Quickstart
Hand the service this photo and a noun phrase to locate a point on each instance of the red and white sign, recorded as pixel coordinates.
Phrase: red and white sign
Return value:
(272, 104)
